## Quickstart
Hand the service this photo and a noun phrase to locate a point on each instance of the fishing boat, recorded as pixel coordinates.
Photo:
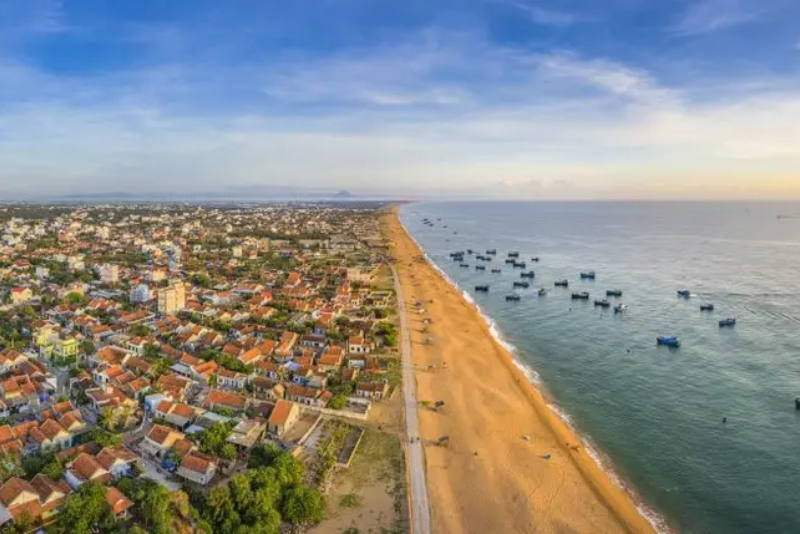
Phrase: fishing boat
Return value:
(526, 285)
(535, 259)
(496, 271)
(513, 254)
(469, 251)
(589, 275)
(620, 308)
(491, 252)
(707, 307)
(480, 268)
(511, 261)
(580, 296)
(542, 292)
(483, 288)
(480, 257)
(684, 293)
(668, 341)
(614, 293)
(602, 303)
(464, 265)
(513, 297)
(730, 321)
(520, 264)
(562, 283)
(529, 274)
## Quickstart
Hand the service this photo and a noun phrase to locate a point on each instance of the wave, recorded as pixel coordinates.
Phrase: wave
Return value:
(652, 517)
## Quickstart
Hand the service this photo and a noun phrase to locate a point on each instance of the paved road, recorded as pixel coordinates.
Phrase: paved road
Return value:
(420, 511)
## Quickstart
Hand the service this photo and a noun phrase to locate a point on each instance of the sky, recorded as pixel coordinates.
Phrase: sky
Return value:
(555, 99)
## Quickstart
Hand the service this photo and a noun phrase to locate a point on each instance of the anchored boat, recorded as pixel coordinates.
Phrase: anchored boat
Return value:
(684, 293)
(730, 321)
(562, 283)
(668, 341)
(542, 292)
(707, 307)
(620, 308)
(602, 303)
(614, 293)
(484, 288)
(514, 297)
(589, 275)
(526, 285)
(496, 271)
(529, 274)
(480, 268)
(580, 296)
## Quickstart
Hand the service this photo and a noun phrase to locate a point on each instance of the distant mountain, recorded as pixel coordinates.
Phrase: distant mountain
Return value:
(344, 193)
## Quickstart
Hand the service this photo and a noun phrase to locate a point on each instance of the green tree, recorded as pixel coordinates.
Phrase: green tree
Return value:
(214, 441)
(86, 509)
(338, 402)
(303, 506)
(88, 347)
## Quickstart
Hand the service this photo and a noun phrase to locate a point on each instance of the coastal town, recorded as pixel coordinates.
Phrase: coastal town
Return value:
(178, 368)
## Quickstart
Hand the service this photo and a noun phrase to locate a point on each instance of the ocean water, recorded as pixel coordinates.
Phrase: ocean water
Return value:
(655, 413)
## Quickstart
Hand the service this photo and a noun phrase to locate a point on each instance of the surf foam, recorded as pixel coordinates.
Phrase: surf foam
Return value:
(658, 523)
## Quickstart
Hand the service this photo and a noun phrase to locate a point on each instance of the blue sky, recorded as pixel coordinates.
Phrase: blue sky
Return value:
(433, 98)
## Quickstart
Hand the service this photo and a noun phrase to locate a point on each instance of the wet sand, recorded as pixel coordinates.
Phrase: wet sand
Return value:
(490, 478)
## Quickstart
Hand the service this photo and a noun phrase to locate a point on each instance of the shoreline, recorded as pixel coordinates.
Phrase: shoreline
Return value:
(607, 489)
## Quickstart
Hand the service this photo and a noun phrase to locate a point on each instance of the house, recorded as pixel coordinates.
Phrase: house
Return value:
(357, 345)
(224, 399)
(51, 436)
(17, 498)
(21, 295)
(85, 468)
(302, 394)
(230, 379)
(197, 468)
(267, 388)
(159, 440)
(372, 390)
(246, 433)
(177, 414)
(283, 417)
(119, 461)
(52, 495)
(119, 503)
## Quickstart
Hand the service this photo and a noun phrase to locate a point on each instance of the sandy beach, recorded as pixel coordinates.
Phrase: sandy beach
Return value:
(490, 478)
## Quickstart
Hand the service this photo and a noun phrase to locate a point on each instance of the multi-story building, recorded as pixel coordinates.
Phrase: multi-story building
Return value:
(109, 273)
(172, 299)
(141, 293)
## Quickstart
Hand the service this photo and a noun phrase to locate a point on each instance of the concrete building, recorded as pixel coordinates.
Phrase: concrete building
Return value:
(172, 299)
(141, 293)
(109, 273)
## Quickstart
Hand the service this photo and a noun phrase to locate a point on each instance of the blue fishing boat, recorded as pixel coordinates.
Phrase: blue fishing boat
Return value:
(684, 293)
(668, 341)
(542, 291)
(482, 288)
(614, 293)
(496, 271)
(464, 266)
(620, 308)
(525, 285)
(730, 321)
(480, 268)
(580, 296)
(513, 297)
(707, 307)
(529, 274)
(513, 254)
(589, 275)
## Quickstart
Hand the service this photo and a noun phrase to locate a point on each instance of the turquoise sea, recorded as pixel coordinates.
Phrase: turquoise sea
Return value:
(655, 413)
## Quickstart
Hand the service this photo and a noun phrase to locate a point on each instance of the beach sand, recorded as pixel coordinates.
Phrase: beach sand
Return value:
(490, 479)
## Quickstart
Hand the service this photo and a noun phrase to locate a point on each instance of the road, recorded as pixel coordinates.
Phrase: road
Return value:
(420, 510)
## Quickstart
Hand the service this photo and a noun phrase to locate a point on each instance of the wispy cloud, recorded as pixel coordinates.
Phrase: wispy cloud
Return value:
(706, 16)
(543, 15)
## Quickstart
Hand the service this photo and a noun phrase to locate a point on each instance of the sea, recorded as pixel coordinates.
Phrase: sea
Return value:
(653, 415)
